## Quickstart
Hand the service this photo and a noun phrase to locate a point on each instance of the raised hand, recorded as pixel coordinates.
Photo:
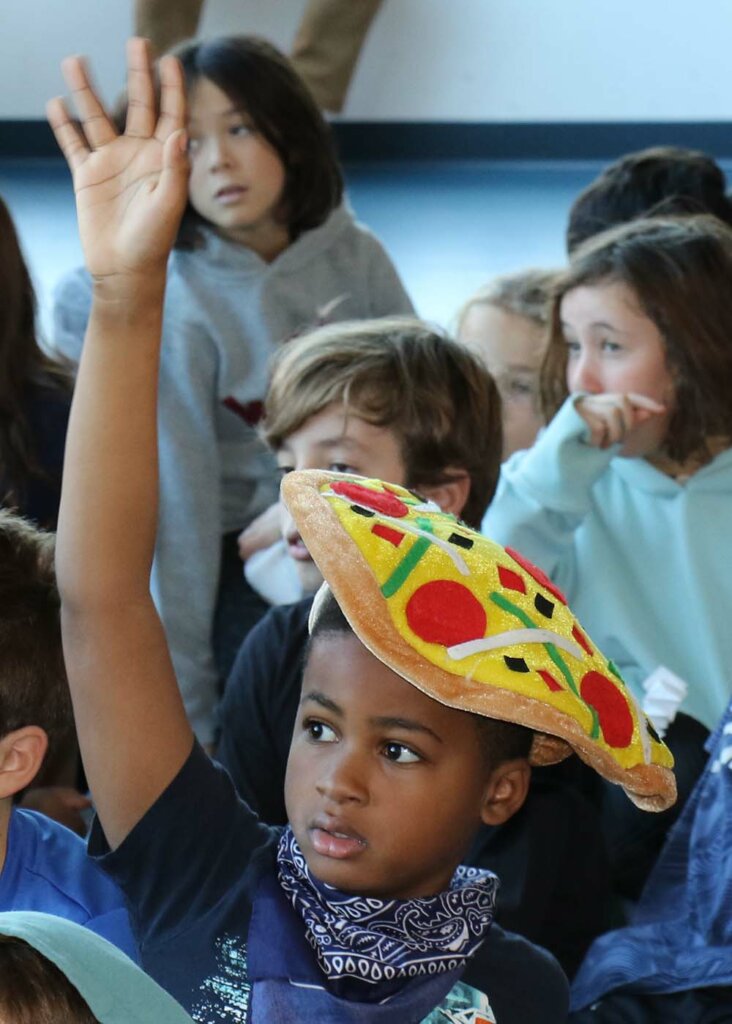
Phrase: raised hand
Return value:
(635, 421)
(131, 189)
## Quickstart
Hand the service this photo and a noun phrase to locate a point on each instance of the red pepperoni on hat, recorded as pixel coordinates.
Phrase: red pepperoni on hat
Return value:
(379, 501)
(445, 612)
(616, 720)
(539, 576)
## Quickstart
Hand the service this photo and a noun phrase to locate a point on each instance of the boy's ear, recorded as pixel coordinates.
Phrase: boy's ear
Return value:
(452, 495)
(21, 755)
(506, 791)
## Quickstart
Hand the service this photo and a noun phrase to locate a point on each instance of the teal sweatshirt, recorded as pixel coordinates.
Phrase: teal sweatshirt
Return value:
(645, 561)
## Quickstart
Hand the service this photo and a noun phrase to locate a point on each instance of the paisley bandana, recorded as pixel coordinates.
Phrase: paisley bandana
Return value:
(379, 941)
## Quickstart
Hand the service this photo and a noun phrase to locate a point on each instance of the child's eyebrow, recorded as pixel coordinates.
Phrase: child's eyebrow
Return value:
(319, 698)
(596, 323)
(229, 112)
(520, 368)
(390, 722)
(342, 441)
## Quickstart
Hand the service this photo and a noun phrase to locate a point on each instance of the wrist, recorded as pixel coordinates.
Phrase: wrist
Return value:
(134, 289)
(129, 297)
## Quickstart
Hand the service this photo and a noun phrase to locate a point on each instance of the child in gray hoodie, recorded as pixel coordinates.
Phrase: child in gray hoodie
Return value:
(267, 248)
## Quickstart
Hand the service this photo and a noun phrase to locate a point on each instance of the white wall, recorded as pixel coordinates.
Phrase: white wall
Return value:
(474, 60)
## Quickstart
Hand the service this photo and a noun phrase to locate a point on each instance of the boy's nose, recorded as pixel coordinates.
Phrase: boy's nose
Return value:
(343, 780)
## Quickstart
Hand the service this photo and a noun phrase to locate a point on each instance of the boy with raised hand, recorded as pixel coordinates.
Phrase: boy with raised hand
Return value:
(43, 866)
(238, 921)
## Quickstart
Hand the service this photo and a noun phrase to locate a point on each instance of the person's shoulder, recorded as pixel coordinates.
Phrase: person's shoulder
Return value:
(53, 870)
(523, 982)
(277, 639)
(340, 236)
(287, 619)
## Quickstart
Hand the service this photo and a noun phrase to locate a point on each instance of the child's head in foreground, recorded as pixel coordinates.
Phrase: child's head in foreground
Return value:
(35, 707)
(391, 398)
(505, 325)
(263, 164)
(33, 990)
(663, 179)
(54, 971)
(386, 786)
(644, 308)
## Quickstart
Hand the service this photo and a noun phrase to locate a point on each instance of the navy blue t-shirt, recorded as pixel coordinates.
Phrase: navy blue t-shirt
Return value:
(216, 930)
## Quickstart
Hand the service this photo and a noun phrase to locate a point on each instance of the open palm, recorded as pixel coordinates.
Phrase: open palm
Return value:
(130, 189)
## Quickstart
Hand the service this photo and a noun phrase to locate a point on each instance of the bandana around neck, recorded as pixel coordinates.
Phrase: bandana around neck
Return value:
(376, 941)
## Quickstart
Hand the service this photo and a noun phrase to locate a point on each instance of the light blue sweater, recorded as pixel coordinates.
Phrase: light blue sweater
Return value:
(645, 562)
(226, 312)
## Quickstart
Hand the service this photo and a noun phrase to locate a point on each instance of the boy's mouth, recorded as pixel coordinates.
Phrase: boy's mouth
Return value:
(334, 842)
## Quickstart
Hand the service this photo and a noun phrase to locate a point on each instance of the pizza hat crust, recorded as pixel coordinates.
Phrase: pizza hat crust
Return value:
(439, 604)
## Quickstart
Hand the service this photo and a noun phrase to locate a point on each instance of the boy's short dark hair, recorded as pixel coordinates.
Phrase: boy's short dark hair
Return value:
(664, 180)
(499, 741)
(35, 991)
(262, 82)
(402, 374)
(33, 686)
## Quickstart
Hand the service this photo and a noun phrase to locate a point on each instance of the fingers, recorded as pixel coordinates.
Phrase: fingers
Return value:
(643, 402)
(140, 90)
(95, 123)
(172, 98)
(612, 417)
(68, 135)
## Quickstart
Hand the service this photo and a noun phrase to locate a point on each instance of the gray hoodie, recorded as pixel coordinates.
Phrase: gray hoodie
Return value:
(226, 311)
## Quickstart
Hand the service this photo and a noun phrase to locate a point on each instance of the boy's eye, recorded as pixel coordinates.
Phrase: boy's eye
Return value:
(240, 130)
(343, 467)
(319, 732)
(400, 754)
(610, 346)
(284, 470)
(193, 145)
(573, 347)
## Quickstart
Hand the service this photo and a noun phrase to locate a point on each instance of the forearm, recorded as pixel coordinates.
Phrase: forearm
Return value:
(130, 720)
(108, 514)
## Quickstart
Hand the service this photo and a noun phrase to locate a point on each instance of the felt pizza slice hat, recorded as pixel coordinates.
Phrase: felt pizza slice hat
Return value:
(475, 626)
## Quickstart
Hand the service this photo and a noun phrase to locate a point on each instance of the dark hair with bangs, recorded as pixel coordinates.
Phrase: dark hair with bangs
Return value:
(260, 81)
(33, 990)
(499, 741)
(663, 180)
(680, 271)
(397, 372)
